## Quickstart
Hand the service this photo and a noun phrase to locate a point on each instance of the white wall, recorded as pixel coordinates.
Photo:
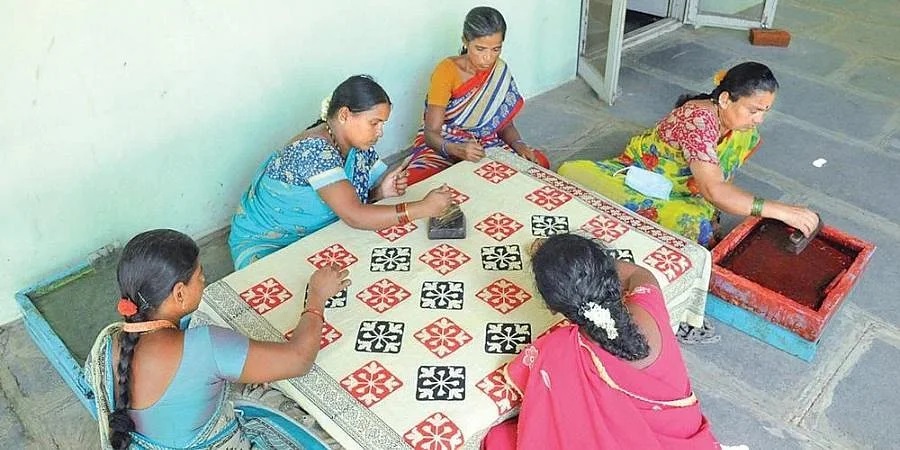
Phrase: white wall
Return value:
(116, 117)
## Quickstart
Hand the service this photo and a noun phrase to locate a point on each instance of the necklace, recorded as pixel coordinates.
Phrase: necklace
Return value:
(148, 327)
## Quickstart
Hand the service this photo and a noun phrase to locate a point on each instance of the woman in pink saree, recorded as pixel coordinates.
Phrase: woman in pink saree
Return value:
(612, 379)
(471, 103)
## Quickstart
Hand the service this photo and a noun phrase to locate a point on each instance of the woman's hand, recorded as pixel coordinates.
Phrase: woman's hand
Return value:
(394, 183)
(798, 217)
(326, 283)
(469, 150)
(526, 152)
(435, 202)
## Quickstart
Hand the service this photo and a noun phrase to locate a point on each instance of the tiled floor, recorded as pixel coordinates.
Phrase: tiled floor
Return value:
(840, 100)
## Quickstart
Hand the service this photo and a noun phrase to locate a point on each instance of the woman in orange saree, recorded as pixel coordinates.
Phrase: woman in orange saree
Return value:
(471, 103)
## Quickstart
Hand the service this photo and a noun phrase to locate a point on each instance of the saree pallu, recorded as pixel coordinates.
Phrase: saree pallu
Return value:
(685, 212)
(241, 425)
(477, 110)
(569, 401)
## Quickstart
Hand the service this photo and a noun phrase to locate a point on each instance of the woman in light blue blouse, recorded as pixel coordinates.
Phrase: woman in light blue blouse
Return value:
(158, 387)
(329, 172)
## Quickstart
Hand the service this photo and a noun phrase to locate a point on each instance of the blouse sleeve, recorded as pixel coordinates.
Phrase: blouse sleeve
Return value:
(651, 298)
(229, 351)
(695, 131)
(444, 79)
(311, 161)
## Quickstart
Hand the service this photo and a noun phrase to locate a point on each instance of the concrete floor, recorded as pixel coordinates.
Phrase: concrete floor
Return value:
(840, 100)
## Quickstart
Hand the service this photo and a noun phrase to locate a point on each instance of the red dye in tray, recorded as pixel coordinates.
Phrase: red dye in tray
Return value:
(805, 278)
(798, 292)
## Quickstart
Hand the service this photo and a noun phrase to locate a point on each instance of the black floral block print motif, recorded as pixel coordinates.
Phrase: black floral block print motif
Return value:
(506, 337)
(378, 336)
(501, 257)
(442, 295)
(441, 383)
(545, 226)
(622, 254)
(391, 259)
(338, 301)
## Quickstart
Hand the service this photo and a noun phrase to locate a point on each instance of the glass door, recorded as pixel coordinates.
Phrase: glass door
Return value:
(737, 14)
(600, 48)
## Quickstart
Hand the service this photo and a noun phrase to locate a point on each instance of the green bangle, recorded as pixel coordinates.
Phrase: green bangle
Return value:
(757, 206)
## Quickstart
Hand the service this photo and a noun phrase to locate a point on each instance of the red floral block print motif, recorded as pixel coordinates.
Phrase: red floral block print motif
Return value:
(668, 261)
(458, 197)
(329, 335)
(495, 172)
(266, 296)
(383, 295)
(560, 324)
(397, 231)
(548, 198)
(437, 432)
(503, 295)
(371, 383)
(444, 258)
(442, 337)
(335, 253)
(494, 386)
(498, 226)
(605, 228)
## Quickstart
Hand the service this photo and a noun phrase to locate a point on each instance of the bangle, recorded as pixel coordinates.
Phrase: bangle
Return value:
(402, 214)
(443, 149)
(757, 206)
(314, 312)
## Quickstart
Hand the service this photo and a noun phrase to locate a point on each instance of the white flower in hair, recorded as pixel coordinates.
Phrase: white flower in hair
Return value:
(600, 317)
(323, 111)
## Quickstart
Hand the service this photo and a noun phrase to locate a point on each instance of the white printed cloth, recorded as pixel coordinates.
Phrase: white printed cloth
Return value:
(412, 352)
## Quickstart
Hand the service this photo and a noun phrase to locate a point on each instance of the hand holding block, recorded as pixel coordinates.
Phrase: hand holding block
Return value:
(449, 225)
(770, 37)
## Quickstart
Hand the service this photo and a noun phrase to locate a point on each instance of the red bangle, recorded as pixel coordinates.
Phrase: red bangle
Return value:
(314, 312)
(402, 214)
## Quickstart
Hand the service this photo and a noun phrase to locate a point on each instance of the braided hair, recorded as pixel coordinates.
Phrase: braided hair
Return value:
(573, 273)
(742, 80)
(358, 93)
(152, 263)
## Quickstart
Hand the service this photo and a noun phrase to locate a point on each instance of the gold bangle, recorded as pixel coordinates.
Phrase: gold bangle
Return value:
(314, 312)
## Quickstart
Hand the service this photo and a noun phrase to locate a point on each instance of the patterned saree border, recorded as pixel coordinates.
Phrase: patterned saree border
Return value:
(358, 423)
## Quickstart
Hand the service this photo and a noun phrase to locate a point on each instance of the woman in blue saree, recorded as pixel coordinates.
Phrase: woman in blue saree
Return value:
(329, 172)
(471, 103)
(160, 387)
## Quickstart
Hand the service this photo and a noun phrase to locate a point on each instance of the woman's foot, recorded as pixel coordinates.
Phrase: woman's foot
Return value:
(705, 334)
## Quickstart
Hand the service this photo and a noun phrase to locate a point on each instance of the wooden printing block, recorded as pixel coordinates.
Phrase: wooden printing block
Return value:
(449, 225)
